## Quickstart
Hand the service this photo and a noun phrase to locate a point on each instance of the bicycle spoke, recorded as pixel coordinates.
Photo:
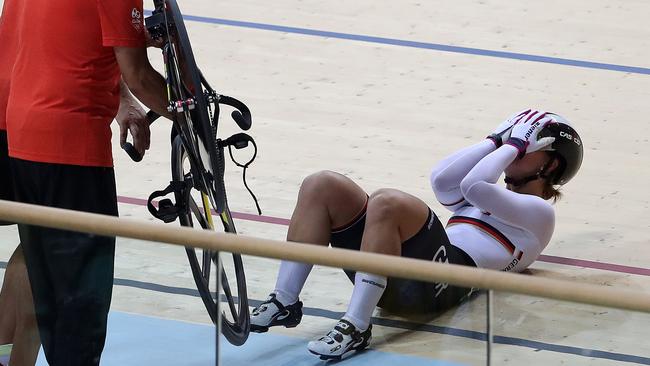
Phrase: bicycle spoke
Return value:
(197, 213)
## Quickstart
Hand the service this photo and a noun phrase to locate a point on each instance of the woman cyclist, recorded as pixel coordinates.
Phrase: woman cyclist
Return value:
(493, 227)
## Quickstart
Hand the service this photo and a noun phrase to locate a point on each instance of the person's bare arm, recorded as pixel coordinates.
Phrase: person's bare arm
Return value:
(142, 79)
(132, 118)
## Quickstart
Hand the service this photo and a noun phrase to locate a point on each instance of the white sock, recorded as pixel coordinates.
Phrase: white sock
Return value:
(368, 289)
(291, 279)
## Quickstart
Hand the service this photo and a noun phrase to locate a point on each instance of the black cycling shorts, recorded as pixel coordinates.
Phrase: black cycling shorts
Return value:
(403, 296)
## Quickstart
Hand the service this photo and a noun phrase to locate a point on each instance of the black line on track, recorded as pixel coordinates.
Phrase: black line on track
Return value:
(406, 325)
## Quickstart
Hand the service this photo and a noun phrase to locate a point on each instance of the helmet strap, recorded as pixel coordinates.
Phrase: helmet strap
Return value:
(540, 174)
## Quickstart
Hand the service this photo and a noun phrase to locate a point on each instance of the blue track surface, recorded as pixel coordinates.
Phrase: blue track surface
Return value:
(142, 340)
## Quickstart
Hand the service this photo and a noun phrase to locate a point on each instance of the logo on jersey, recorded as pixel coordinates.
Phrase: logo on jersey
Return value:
(440, 257)
(136, 19)
(511, 266)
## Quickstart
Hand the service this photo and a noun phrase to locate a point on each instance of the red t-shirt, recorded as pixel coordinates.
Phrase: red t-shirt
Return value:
(11, 13)
(65, 83)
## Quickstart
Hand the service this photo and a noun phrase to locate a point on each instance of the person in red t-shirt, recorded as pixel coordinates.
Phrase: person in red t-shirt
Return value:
(17, 320)
(64, 92)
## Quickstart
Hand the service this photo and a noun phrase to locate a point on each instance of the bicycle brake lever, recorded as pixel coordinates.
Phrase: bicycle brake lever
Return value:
(132, 152)
(242, 115)
(243, 122)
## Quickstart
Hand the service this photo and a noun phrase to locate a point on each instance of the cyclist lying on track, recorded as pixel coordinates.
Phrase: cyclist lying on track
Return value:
(494, 227)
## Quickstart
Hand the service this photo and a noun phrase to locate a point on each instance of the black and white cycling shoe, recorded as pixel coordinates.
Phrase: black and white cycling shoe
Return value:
(272, 313)
(340, 340)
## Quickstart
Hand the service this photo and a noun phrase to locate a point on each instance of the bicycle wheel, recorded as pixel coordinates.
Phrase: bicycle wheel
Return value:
(197, 158)
(235, 321)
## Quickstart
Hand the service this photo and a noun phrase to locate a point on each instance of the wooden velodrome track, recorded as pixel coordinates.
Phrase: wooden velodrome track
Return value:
(346, 87)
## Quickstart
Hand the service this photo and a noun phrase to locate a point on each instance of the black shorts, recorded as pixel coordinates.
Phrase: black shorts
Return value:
(73, 187)
(403, 296)
(6, 183)
(71, 274)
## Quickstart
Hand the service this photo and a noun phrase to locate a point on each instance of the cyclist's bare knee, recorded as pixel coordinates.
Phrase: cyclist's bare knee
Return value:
(324, 186)
(342, 198)
(393, 208)
(385, 204)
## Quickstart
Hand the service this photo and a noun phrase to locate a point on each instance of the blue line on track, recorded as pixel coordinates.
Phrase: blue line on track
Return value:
(422, 45)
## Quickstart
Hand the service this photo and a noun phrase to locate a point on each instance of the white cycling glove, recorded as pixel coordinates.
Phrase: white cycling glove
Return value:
(502, 133)
(524, 134)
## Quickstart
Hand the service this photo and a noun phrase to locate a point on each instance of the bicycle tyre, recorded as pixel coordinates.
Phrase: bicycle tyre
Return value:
(201, 262)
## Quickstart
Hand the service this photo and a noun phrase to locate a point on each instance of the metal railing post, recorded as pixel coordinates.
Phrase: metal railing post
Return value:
(489, 326)
(217, 325)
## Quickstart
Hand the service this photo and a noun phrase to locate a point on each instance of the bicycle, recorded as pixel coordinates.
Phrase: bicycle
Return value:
(198, 165)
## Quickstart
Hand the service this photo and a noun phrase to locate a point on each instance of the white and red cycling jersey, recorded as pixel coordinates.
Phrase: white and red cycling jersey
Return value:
(498, 228)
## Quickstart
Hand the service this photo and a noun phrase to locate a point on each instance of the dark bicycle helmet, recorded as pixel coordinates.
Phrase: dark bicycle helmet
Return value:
(567, 147)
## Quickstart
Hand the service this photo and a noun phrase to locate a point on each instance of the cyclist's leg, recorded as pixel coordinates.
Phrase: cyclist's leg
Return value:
(392, 219)
(326, 200)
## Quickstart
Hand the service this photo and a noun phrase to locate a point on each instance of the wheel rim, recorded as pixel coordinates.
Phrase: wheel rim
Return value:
(236, 320)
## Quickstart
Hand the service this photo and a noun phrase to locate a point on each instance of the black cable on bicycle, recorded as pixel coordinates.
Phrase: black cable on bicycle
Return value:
(244, 138)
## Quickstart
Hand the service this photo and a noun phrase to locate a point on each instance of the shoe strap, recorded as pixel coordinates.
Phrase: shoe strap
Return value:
(272, 300)
(345, 327)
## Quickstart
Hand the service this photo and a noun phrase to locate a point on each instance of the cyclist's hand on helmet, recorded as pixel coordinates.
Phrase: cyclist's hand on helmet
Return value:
(502, 133)
(524, 135)
(132, 118)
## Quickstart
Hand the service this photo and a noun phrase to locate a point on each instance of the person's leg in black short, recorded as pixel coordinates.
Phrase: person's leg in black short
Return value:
(17, 319)
(332, 208)
(392, 218)
(326, 201)
(71, 274)
(402, 296)
(395, 223)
